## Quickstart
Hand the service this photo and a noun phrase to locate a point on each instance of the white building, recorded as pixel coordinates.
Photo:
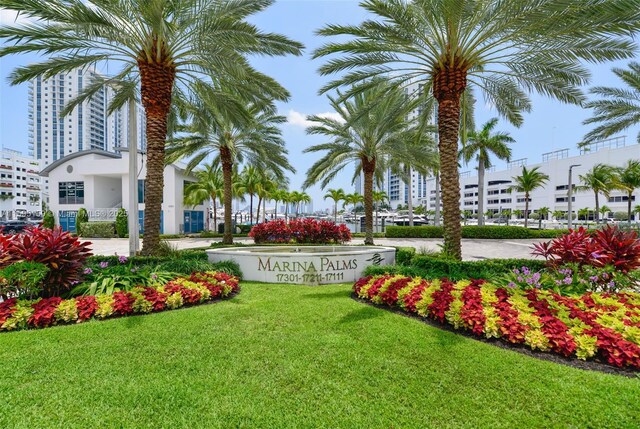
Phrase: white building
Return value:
(99, 181)
(20, 186)
(396, 188)
(499, 197)
(52, 136)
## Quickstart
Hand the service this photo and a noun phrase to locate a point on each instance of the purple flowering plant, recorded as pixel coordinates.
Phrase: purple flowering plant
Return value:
(570, 279)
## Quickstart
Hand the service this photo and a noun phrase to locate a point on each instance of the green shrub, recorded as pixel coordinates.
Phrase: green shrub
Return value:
(122, 223)
(404, 255)
(433, 268)
(244, 229)
(22, 279)
(98, 230)
(186, 266)
(137, 261)
(620, 216)
(472, 231)
(228, 267)
(81, 218)
(48, 220)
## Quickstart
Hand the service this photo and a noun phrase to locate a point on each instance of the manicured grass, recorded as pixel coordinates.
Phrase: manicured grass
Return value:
(279, 356)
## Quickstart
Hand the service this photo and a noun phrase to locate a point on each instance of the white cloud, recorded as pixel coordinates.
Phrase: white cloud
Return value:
(300, 119)
(11, 17)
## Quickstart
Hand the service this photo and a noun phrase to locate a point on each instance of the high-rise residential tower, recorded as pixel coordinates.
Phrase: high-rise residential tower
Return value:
(52, 136)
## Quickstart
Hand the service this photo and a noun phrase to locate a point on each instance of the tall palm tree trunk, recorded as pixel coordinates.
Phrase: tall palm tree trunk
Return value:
(335, 211)
(251, 209)
(597, 210)
(481, 193)
(449, 83)
(629, 196)
(227, 178)
(156, 89)
(258, 212)
(215, 215)
(410, 197)
(436, 221)
(526, 209)
(264, 210)
(368, 166)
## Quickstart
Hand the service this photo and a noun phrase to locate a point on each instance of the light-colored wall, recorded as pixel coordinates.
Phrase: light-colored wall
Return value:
(103, 192)
(558, 170)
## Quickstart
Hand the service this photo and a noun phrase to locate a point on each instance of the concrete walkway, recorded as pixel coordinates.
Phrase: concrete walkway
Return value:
(471, 249)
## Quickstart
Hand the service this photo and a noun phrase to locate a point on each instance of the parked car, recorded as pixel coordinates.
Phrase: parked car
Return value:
(14, 226)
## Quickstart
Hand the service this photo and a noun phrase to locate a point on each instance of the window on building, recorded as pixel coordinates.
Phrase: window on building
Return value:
(565, 199)
(622, 198)
(71, 192)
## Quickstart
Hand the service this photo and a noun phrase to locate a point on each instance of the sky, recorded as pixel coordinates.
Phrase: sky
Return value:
(550, 126)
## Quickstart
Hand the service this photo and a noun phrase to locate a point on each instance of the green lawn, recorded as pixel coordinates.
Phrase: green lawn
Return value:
(278, 356)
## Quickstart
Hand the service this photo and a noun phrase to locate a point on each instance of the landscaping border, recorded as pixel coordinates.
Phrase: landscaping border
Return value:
(198, 288)
(593, 327)
(589, 365)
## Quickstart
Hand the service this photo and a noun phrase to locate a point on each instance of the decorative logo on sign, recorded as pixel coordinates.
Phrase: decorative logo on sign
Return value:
(376, 259)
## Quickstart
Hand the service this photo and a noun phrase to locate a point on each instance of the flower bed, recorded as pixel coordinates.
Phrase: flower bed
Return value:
(304, 231)
(182, 291)
(601, 326)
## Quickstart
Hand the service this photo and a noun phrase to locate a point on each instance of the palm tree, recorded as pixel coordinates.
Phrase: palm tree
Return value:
(558, 214)
(617, 109)
(584, 213)
(506, 214)
(379, 196)
(297, 198)
(506, 48)
(628, 180)
(168, 48)
(232, 141)
(287, 199)
(249, 182)
(604, 210)
(517, 213)
(279, 195)
(543, 212)
(209, 186)
(600, 180)
(527, 182)
(353, 199)
(467, 214)
(372, 128)
(481, 144)
(336, 195)
(488, 214)
(266, 186)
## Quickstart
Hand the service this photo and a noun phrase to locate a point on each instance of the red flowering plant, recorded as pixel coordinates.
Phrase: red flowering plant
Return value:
(197, 288)
(605, 260)
(600, 326)
(63, 254)
(275, 231)
(303, 231)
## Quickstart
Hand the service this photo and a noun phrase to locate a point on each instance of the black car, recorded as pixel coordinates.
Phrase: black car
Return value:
(14, 226)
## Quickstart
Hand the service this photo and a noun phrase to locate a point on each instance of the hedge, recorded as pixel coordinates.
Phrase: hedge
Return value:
(149, 260)
(98, 230)
(434, 268)
(482, 232)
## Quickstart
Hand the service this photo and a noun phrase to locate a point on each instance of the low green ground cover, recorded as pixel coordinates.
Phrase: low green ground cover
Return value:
(280, 356)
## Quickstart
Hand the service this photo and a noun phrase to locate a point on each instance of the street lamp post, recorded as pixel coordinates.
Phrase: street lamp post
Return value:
(132, 142)
(569, 211)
